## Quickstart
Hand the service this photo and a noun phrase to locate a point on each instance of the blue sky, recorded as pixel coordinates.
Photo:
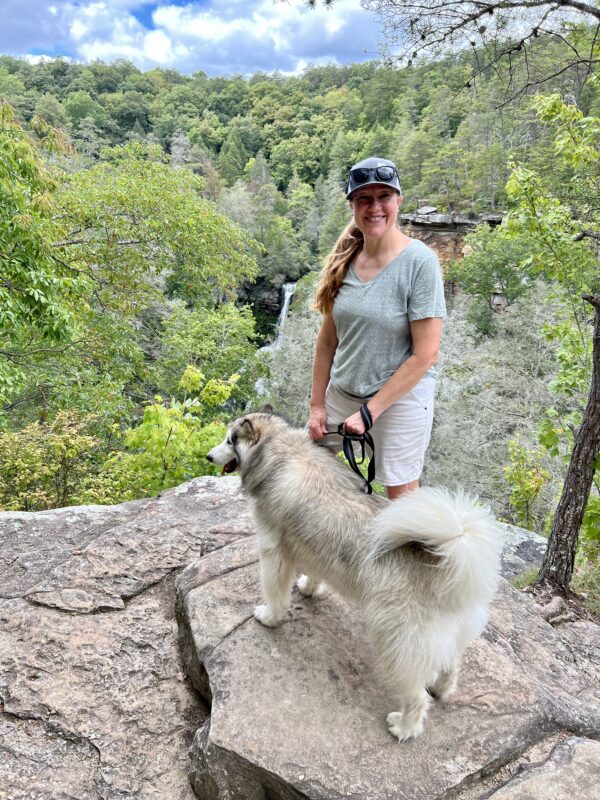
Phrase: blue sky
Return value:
(221, 37)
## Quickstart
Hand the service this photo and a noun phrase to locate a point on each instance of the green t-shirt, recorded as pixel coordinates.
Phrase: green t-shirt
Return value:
(372, 319)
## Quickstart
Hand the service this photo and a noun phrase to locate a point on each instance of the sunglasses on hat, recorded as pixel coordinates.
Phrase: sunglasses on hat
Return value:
(361, 175)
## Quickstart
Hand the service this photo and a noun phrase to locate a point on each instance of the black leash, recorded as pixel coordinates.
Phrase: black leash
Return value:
(365, 440)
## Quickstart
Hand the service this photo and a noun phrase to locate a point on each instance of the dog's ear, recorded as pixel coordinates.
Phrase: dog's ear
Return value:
(267, 409)
(249, 430)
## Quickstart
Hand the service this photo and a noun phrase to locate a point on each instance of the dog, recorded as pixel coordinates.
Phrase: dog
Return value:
(424, 568)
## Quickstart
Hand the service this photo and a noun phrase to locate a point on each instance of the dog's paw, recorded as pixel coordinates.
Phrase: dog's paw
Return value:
(266, 616)
(399, 728)
(307, 586)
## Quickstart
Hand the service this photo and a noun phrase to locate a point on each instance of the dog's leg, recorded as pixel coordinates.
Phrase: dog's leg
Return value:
(276, 577)
(403, 676)
(408, 723)
(445, 683)
(308, 585)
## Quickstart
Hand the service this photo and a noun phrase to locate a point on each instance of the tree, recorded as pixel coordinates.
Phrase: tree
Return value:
(492, 391)
(181, 150)
(11, 86)
(233, 157)
(495, 264)
(497, 32)
(559, 251)
(51, 111)
(559, 560)
(80, 105)
(84, 256)
(36, 285)
(299, 197)
(132, 216)
(219, 342)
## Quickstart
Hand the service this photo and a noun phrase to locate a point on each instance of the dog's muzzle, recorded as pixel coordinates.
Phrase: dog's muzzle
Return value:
(230, 466)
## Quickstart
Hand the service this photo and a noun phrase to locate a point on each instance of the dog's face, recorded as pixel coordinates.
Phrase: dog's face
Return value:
(243, 434)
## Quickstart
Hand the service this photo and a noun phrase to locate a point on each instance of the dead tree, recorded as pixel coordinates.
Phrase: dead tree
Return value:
(502, 35)
(559, 560)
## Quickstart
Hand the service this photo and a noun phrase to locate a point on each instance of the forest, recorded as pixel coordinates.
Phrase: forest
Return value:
(148, 221)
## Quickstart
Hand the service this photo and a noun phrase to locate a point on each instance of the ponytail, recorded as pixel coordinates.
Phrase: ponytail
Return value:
(336, 265)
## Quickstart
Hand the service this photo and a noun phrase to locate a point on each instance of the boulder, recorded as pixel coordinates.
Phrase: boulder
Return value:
(298, 711)
(94, 700)
(97, 700)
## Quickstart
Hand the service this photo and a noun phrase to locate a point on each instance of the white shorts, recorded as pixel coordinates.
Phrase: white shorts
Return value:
(400, 435)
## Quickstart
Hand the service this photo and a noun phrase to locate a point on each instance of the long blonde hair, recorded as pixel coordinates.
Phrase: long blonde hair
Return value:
(344, 251)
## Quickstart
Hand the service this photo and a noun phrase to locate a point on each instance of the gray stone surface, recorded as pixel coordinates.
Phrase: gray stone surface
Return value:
(571, 772)
(523, 550)
(298, 712)
(94, 700)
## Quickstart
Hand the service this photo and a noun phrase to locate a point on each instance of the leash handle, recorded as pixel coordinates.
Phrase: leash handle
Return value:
(366, 417)
(363, 439)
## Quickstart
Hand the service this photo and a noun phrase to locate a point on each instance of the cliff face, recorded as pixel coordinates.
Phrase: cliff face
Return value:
(126, 635)
(444, 233)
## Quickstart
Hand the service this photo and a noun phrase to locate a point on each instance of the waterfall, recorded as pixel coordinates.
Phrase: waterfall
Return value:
(287, 292)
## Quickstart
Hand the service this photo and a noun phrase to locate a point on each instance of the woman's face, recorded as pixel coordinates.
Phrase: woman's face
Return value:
(375, 209)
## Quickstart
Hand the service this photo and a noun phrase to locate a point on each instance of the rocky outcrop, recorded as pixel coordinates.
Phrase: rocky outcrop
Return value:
(444, 233)
(298, 712)
(98, 699)
(94, 700)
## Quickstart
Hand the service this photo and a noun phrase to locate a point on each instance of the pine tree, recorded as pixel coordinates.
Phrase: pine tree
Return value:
(233, 157)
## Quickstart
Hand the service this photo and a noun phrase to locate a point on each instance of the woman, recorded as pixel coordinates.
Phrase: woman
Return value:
(382, 299)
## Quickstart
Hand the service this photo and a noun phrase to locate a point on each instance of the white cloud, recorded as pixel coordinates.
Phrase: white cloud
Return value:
(158, 47)
(78, 29)
(218, 36)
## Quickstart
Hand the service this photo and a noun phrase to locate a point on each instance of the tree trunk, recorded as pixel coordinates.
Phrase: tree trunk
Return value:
(557, 567)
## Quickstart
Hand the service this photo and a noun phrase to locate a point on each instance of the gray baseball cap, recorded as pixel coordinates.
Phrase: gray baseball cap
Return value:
(373, 171)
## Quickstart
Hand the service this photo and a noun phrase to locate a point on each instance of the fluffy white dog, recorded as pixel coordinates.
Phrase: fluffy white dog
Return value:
(423, 568)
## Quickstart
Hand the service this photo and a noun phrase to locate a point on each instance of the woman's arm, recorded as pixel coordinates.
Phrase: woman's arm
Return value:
(426, 337)
(327, 342)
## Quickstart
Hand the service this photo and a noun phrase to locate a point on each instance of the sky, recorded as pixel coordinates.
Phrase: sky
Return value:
(221, 37)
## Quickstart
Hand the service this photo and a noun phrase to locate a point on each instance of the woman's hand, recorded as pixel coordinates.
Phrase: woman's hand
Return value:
(317, 423)
(354, 424)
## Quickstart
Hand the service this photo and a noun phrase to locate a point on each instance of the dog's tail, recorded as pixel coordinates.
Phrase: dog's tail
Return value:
(453, 526)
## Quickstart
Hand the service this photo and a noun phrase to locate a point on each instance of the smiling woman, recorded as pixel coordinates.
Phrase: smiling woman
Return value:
(382, 299)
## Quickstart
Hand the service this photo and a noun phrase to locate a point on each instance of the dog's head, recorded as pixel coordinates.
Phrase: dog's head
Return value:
(243, 434)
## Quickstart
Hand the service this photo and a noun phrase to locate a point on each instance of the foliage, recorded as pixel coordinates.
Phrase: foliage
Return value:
(565, 258)
(525, 579)
(526, 477)
(169, 445)
(35, 285)
(132, 215)
(219, 342)
(491, 391)
(558, 231)
(495, 263)
(42, 465)
(498, 32)
(138, 273)
(586, 582)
